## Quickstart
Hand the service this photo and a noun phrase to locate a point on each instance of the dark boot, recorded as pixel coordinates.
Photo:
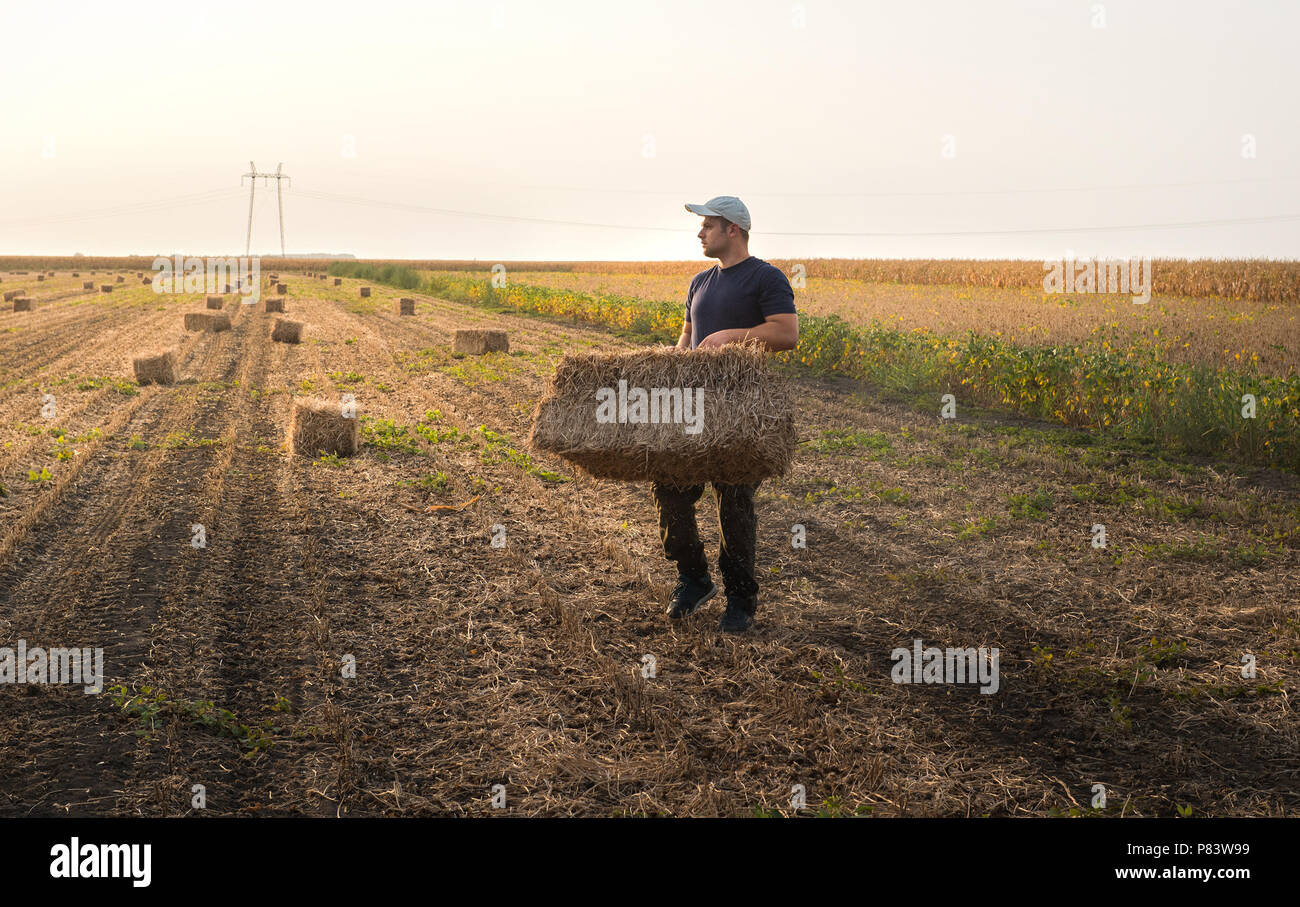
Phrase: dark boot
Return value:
(739, 615)
(690, 594)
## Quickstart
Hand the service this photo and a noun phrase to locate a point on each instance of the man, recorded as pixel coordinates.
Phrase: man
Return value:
(740, 298)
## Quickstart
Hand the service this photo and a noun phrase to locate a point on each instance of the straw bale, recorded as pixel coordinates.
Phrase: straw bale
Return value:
(207, 321)
(479, 342)
(318, 426)
(616, 415)
(155, 368)
(286, 331)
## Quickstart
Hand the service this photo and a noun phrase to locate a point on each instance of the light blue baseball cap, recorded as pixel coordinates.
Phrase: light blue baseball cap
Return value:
(728, 206)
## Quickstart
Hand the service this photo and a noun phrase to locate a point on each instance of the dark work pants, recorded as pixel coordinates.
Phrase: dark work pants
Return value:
(737, 523)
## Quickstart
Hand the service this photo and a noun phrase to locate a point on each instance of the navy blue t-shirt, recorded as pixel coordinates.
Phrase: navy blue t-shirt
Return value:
(741, 296)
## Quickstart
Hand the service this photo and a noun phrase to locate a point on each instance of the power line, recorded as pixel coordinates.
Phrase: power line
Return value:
(1032, 190)
(424, 209)
(212, 195)
(1130, 187)
(126, 209)
(1172, 225)
(1119, 228)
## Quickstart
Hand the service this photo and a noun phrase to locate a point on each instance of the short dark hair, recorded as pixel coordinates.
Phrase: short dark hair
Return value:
(744, 234)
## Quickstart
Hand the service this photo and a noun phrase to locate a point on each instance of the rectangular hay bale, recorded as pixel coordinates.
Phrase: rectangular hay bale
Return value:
(155, 368)
(88, 285)
(479, 342)
(106, 288)
(338, 281)
(680, 417)
(22, 304)
(207, 321)
(407, 306)
(365, 292)
(281, 288)
(216, 302)
(318, 427)
(275, 303)
(286, 331)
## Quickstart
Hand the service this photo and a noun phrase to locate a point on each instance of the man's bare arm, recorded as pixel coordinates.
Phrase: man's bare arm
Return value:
(684, 341)
(778, 332)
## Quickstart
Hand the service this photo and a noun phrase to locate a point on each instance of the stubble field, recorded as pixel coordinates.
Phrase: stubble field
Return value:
(523, 665)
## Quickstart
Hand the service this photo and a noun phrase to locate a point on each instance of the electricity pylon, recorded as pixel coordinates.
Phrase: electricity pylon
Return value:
(253, 176)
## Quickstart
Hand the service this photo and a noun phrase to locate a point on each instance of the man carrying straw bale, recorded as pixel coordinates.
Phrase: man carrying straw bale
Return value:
(741, 298)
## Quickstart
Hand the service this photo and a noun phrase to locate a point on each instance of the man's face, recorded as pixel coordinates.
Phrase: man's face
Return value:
(712, 238)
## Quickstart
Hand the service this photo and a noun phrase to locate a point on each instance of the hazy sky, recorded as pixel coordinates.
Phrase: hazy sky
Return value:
(125, 127)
